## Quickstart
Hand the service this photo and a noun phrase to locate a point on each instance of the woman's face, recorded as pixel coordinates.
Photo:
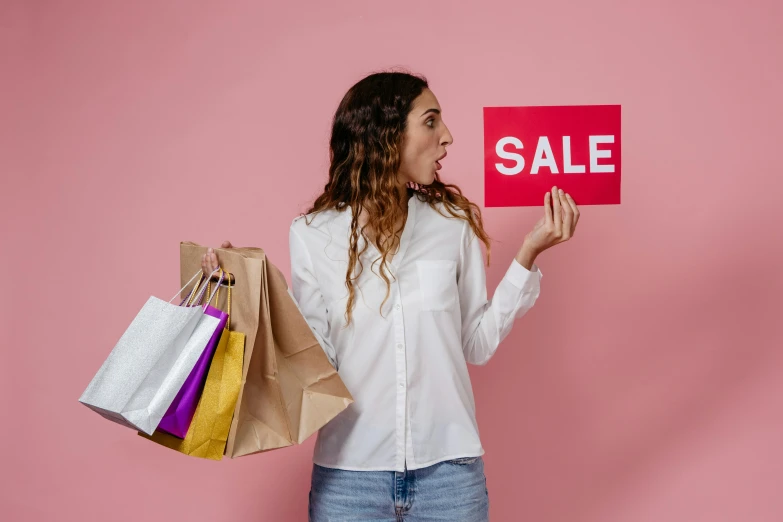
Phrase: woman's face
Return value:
(425, 141)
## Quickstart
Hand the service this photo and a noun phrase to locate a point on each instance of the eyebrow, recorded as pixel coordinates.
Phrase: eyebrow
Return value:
(436, 111)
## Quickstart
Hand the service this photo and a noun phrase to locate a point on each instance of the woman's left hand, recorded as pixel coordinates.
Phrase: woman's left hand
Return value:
(558, 225)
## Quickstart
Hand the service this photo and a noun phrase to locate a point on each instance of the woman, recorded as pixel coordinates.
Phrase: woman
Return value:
(401, 333)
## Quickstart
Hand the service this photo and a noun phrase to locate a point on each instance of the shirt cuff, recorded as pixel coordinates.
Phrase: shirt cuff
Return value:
(522, 278)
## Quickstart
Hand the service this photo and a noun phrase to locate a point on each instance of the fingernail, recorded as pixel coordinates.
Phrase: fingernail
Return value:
(561, 192)
(209, 250)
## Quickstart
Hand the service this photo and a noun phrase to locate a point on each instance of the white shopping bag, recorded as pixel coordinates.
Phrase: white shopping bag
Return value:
(142, 375)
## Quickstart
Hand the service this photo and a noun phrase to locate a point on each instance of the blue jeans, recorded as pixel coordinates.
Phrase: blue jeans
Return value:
(453, 490)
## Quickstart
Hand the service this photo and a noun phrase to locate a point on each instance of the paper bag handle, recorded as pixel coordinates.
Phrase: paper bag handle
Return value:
(228, 321)
(209, 290)
(190, 297)
(217, 300)
(206, 286)
(186, 285)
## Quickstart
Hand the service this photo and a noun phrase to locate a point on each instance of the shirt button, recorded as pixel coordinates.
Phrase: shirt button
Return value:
(402, 385)
(399, 346)
(397, 307)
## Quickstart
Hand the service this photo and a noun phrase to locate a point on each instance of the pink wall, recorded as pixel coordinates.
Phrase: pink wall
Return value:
(644, 386)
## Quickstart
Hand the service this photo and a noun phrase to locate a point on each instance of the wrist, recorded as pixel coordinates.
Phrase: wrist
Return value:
(526, 256)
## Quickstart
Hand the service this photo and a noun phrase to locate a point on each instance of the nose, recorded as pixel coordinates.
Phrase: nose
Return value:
(447, 138)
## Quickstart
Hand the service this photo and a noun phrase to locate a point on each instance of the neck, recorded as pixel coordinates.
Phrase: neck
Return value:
(405, 195)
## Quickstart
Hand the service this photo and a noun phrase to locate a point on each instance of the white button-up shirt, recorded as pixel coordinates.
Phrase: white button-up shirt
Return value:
(407, 368)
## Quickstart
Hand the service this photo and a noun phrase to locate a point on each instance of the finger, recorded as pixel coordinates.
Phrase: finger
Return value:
(568, 215)
(548, 208)
(210, 260)
(557, 210)
(575, 210)
(226, 244)
(207, 266)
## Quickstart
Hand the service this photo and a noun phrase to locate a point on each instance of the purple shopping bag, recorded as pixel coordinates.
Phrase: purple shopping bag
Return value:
(177, 419)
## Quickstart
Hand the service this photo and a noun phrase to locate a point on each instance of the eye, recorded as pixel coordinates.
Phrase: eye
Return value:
(431, 122)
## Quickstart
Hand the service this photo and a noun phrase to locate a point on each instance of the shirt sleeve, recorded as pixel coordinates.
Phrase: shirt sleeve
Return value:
(307, 293)
(485, 323)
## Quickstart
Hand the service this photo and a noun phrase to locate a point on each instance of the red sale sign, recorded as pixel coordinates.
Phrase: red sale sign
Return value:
(528, 150)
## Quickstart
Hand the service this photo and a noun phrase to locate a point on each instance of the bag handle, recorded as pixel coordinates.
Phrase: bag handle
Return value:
(201, 273)
(206, 286)
(228, 321)
(229, 279)
(190, 297)
(217, 296)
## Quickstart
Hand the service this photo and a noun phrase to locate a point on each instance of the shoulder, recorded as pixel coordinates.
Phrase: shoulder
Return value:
(443, 208)
(445, 214)
(440, 220)
(309, 227)
(315, 220)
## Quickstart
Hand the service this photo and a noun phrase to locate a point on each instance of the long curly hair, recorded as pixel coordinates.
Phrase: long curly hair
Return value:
(368, 131)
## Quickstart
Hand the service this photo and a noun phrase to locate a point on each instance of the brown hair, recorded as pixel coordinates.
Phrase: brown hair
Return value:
(367, 135)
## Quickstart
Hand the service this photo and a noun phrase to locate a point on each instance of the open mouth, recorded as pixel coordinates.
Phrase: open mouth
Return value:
(438, 166)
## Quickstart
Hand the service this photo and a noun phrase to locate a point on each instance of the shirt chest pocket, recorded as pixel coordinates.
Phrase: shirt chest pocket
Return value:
(437, 284)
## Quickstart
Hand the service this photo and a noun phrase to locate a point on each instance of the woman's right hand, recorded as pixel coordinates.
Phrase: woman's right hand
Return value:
(209, 261)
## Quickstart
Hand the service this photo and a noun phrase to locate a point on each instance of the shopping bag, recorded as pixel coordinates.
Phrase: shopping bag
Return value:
(208, 432)
(177, 418)
(146, 368)
(289, 388)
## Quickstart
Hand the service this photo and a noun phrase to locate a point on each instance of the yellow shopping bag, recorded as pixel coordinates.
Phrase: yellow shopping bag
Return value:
(208, 431)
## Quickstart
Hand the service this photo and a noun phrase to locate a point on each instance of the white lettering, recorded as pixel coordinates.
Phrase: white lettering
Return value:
(544, 157)
(568, 168)
(596, 154)
(503, 154)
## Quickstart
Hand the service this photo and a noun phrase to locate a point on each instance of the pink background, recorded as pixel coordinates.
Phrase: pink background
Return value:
(644, 386)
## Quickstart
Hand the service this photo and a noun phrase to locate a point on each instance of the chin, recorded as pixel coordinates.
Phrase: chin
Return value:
(426, 179)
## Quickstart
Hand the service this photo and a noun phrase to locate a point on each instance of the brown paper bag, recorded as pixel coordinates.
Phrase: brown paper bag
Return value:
(290, 390)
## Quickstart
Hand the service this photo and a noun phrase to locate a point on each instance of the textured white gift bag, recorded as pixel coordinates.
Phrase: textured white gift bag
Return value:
(142, 375)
